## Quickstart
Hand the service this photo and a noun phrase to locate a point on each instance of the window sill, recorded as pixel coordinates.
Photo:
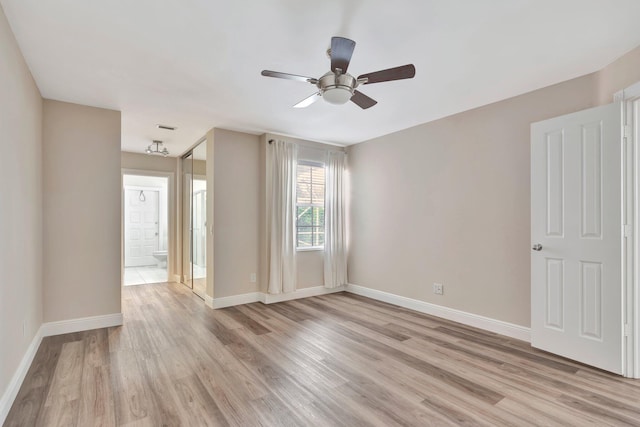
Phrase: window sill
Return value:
(311, 248)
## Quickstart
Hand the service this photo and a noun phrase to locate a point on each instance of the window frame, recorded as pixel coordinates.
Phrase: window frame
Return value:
(311, 205)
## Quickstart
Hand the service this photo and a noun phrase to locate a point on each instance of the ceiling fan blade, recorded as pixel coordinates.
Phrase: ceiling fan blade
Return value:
(398, 73)
(308, 100)
(341, 51)
(287, 76)
(362, 100)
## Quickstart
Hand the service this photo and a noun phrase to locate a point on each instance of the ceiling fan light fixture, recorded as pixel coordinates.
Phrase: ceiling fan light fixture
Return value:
(337, 88)
(337, 95)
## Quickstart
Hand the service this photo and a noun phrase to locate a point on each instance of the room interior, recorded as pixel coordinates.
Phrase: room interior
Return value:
(438, 193)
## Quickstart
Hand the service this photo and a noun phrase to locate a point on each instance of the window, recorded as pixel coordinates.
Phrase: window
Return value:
(310, 206)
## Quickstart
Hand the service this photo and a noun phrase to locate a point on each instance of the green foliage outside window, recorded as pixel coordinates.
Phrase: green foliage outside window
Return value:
(310, 206)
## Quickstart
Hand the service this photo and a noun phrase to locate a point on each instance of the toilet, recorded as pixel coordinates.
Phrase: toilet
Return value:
(161, 258)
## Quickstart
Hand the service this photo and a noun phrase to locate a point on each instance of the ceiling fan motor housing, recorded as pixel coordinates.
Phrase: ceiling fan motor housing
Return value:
(337, 88)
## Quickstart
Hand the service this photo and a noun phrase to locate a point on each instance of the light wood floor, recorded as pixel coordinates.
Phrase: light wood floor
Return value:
(332, 360)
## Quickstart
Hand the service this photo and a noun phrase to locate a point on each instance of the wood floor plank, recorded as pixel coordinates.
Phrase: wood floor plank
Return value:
(96, 406)
(62, 402)
(132, 401)
(481, 392)
(275, 413)
(332, 360)
(246, 321)
(197, 403)
(163, 402)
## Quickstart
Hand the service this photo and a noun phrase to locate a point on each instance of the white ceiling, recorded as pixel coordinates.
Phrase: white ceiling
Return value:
(196, 64)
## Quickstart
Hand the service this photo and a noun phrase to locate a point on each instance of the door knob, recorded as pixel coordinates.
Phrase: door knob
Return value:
(537, 247)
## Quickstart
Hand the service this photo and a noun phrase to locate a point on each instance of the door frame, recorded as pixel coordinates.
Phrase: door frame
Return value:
(631, 198)
(171, 218)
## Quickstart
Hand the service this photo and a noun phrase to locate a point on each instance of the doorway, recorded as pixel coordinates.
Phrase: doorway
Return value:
(145, 229)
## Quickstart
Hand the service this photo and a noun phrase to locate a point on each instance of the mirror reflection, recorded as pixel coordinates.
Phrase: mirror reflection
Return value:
(194, 220)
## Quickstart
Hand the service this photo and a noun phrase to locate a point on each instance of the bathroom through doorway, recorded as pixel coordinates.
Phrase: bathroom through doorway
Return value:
(145, 229)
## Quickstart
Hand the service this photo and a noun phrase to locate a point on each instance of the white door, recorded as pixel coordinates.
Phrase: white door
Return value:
(576, 232)
(141, 227)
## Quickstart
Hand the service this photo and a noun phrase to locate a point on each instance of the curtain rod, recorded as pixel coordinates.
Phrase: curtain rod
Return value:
(338, 148)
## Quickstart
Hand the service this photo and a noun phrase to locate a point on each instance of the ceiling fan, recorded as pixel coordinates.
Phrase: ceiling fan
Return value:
(337, 86)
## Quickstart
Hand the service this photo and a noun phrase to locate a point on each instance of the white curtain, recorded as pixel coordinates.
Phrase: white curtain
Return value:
(282, 217)
(335, 252)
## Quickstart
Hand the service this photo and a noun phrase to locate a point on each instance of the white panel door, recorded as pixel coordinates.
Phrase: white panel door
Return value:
(141, 227)
(576, 232)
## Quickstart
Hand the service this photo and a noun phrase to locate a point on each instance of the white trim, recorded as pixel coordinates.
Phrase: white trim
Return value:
(13, 388)
(265, 298)
(632, 91)
(209, 301)
(81, 324)
(470, 319)
(310, 248)
(232, 300)
(631, 301)
(618, 96)
(301, 293)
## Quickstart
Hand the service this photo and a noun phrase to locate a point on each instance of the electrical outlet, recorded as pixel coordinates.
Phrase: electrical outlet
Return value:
(438, 288)
(252, 278)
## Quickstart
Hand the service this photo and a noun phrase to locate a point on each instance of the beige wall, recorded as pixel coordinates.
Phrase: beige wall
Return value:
(236, 204)
(146, 162)
(154, 165)
(449, 201)
(310, 269)
(20, 206)
(81, 173)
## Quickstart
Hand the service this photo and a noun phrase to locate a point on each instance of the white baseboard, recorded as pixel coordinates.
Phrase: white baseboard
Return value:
(470, 319)
(233, 300)
(301, 293)
(269, 298)
(13, 388)
(82, 324)
(208, 301)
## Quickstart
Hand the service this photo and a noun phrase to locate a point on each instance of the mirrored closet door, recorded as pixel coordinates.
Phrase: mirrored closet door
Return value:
(194, 219)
